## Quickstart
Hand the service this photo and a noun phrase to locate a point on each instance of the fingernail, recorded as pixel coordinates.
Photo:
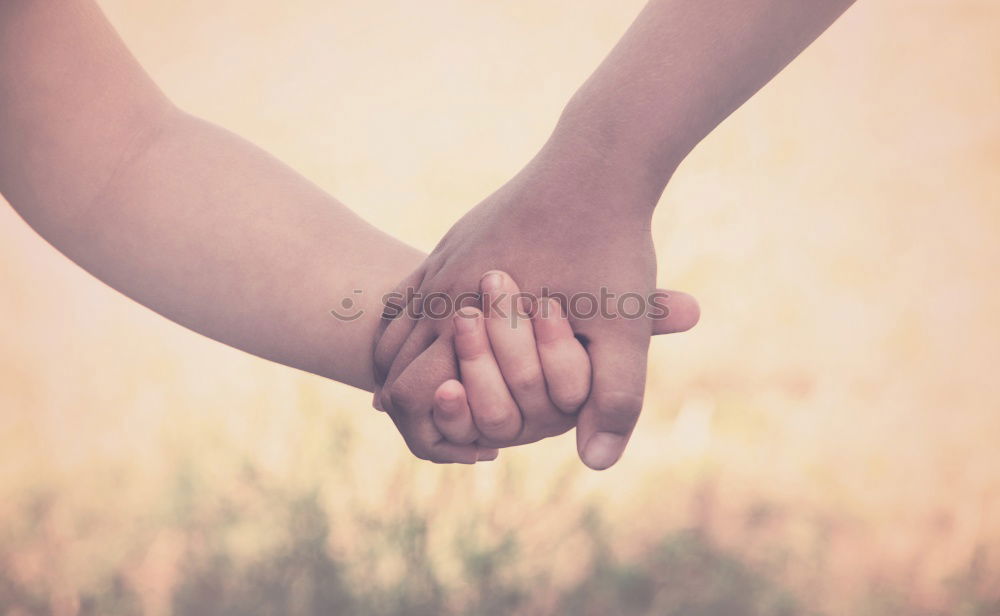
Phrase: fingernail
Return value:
(602, 450)
(554, 309)
(491, 283)
(465, 321)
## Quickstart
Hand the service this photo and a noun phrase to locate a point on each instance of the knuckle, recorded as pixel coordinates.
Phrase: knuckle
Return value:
(493, 421)
(619, 407)
(385, 400)
(450, 415)
(445, 412)
(475, 354)
(401, 400)
(459, 438)
(570, 401)
(417, 450)
(527, 379)
(498, 424)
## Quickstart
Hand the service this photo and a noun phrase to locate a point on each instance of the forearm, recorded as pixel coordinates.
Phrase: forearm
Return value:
(180, 215)
(217, 235)
(679, 71)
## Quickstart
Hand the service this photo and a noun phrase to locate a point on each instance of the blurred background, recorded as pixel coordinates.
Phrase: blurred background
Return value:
(826, 441)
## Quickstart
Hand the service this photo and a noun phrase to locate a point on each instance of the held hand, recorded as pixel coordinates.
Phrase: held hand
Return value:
(515, 368)
(562, 368)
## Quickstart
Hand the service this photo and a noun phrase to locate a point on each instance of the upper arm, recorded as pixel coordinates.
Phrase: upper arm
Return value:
(73, 103)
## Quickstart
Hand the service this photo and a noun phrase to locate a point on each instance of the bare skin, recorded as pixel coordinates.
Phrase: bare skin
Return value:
(193, 221)
(512, 367)
(681, 69)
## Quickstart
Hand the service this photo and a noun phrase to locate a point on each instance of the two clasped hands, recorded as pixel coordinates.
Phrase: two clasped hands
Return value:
(210, 231)
(561, 257)
(575, 220)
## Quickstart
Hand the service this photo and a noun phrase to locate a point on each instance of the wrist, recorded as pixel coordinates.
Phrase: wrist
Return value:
(626, 151)
(595, 179)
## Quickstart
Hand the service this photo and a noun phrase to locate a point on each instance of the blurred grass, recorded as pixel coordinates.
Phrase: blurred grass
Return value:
(303, 570)
(255, 547)
(825, 442)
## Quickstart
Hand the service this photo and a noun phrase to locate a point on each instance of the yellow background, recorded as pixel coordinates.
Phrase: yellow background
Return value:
(831, 426)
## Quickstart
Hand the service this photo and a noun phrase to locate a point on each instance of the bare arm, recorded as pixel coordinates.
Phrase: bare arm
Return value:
(680, 70)
(180, 215)
(682, 67)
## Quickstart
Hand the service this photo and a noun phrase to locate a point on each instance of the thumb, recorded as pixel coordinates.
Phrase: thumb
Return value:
(610, 413)
(673, 311)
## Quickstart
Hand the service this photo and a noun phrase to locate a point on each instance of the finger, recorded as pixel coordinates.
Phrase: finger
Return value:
(564, 360)
(488, 455)
(395, 334)
(412, 385)
(452, 415)
(421, 338)
(411, 407)
(397, 321)
(493, 410)
(673, 311)
(607, 418)
(425, 441)
(513, 342)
